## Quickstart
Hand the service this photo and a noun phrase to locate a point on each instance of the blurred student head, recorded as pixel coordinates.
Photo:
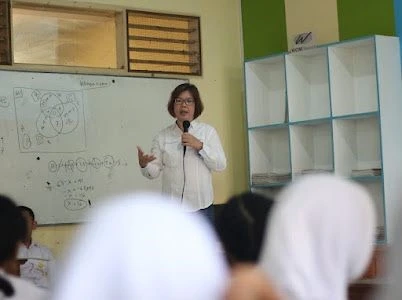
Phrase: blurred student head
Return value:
(12, 231)
(144, 247)
(241, 225)
(320, 237)
(29, 217)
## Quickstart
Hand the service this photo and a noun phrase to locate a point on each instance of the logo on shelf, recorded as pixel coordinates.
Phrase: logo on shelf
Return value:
(303, 41)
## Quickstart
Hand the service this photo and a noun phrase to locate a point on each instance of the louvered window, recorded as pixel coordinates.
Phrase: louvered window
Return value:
(163, 43)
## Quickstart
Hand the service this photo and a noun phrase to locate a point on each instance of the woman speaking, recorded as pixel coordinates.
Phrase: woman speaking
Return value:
(186, 153)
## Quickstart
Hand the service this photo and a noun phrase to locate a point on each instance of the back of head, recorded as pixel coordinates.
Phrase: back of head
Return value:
(12, 231)
(12, 228)
(320, 237)
(241, 226)
(142, 247)
(27, 210)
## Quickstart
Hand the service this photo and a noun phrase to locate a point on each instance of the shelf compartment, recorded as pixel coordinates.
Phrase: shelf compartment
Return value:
(311, 148)
(269, 154)
(265, 91)
(353, 77)
(308, 84)
(357, 145)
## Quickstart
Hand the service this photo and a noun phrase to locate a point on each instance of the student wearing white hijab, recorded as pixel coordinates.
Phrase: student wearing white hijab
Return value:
(144, 247)
(320, 238)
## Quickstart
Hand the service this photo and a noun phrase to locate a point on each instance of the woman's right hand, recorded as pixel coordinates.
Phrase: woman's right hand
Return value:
(144, 159)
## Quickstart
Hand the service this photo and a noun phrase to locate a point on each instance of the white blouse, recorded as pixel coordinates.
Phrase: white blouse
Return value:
(40, 264)
(23, 289)
(187, 178)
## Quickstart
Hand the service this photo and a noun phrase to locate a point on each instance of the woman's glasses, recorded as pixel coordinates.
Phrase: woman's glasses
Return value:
(187, 101)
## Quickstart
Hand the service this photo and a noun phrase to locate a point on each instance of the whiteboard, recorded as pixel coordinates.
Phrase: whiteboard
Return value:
(67, 141)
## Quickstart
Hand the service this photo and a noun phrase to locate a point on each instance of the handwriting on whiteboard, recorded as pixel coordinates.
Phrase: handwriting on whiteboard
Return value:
(88, 84)
(82, 165)
(50, 121)
(4, 102)
(2, 147)
(76, 192)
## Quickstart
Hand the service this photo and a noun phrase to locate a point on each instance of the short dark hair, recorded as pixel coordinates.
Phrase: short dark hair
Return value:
(23, 208)
(12, 228)
(199, 106)
(241, 226)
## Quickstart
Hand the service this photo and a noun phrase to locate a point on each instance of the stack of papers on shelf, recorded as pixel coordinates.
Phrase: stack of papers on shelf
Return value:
(380, 233)
(314, 171)
(367, 172)
(269, 178)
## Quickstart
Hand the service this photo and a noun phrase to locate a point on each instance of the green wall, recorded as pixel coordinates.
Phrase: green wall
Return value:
(264, 27)
(365, 17)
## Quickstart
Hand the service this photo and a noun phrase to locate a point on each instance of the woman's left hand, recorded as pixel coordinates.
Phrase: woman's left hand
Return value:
(249, 282)
(189, 140)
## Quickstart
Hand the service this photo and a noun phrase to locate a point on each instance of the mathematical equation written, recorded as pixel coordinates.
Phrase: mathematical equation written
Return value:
(75, 192)
(82, 165)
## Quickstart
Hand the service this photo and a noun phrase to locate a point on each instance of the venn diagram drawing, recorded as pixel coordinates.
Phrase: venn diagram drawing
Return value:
(56, 117)
(50, 121)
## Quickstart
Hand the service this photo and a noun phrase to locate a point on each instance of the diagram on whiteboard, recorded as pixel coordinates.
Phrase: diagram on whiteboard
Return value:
(50, 121)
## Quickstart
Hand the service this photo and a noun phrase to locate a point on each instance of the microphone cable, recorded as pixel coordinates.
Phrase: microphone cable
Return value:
(186, 125)
(184, 178)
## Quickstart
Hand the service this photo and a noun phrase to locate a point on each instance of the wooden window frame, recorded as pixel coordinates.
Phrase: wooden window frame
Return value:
(5, 33)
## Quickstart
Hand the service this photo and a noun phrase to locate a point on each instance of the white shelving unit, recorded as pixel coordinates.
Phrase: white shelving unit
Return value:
(335, 108)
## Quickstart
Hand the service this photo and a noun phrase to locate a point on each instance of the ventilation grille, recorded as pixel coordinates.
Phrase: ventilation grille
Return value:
(160, 43)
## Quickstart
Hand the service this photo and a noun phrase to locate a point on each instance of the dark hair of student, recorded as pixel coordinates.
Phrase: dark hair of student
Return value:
(12, 231)
(199, 107)
(28, 210)
(241, 225)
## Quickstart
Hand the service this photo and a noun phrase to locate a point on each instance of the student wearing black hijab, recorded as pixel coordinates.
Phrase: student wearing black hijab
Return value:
(241, 225)
(12, 231)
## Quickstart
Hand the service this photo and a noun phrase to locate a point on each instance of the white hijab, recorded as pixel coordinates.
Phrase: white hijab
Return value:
(320, 238)
(141, 247)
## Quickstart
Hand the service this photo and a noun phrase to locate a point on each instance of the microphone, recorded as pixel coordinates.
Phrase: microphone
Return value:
(186, 125)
